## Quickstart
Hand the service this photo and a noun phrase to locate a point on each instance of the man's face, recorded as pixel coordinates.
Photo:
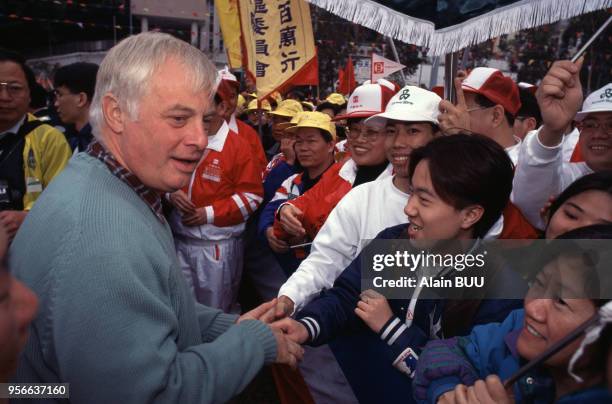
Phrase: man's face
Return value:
(14, 96)
(523, 125)
(163, 146)
(597, 140)
(481, 118)
(231, 102)
(278, 129)
(402, 138)
(68, 104)
(431, 218)
(311, 148)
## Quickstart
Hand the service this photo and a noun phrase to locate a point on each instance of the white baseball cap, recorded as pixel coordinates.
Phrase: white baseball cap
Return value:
(225, 74)
(368, 99)
(598, 101)
(410, 104)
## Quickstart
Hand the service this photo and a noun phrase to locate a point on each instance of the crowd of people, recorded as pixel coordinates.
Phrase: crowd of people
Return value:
(128, 240)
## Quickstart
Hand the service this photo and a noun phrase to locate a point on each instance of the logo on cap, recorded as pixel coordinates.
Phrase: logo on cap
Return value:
(404, 95)
(606, 94)
(355, 99)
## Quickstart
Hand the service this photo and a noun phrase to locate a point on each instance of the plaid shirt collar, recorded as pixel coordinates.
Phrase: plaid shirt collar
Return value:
(150, 197)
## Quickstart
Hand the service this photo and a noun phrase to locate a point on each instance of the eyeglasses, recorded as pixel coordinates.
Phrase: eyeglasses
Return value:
(13, 89)
(369, 134)
(592, 125)
(59, 94)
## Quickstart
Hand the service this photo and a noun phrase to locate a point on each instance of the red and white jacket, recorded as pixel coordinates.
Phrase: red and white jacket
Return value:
(252, 138)
(318, 201)
(227, 183)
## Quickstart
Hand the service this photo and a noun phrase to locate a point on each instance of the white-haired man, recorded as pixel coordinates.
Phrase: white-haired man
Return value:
(117, 321)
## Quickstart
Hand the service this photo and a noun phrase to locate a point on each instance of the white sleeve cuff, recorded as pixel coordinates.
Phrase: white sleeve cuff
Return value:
(312, 326)
(538, 151)
(210, 214)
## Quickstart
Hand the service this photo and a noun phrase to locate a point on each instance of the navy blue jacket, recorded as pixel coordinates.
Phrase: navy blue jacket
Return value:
(380, 367)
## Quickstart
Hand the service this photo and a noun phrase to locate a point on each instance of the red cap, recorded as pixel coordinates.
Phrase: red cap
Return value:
(369, 99)
(494, 86)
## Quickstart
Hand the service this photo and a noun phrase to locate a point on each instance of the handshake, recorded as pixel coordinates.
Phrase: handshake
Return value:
(372, 308)
(289, 333)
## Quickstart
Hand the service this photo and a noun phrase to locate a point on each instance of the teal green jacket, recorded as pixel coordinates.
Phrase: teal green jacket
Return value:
(116, 319)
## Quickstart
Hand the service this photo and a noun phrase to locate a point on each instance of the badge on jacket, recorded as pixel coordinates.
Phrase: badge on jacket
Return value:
(212, 172)
(33, 185)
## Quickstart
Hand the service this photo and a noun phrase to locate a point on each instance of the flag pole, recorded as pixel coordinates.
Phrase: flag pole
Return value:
(396, 56)
(450, 72)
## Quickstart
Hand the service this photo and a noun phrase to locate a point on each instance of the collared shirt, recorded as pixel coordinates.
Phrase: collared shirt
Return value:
(15, 128)
(80, 142)
(150, 197)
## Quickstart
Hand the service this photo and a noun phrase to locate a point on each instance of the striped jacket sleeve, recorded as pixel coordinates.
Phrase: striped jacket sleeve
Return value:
(247, 196)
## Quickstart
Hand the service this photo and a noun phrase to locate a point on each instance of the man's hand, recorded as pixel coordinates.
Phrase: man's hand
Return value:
(282, 308)
(288, 352)
(489, 391)
(373, 309)
(277, 245)
(559, 97)
(290, 217)
(294, 330)
(286, 147)
(197, 218)
(454, 118)
(257, 312)
(181, 201)
(11, 220)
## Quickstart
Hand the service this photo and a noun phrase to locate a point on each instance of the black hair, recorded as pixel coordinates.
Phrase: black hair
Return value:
(78, 77)
(296, 94)
(329, 105)
(434, 128)
(7, 55)
(217, 99)
(529, 106)
(599, 181)
(38, 97)
(487, 103)
(467, 170)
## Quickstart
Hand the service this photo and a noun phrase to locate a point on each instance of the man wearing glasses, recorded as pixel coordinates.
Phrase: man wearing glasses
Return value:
(542, 171)
(487, 104)
(31, 153)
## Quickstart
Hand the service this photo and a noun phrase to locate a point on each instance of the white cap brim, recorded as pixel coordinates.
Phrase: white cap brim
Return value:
(404, 117)
(582, 114)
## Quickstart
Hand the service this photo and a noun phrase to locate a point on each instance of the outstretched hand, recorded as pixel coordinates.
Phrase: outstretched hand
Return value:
(559, 98)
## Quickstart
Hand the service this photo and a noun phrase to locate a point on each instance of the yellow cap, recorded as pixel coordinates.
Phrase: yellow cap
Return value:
(317, 120)
(241, 101)
(288, 108)
(335, 98)
(265, 105)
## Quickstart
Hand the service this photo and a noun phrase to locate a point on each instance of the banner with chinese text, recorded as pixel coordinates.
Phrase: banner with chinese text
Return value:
(229, 21)
(278, 44)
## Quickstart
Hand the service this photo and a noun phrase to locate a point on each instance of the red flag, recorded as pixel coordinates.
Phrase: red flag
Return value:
(347, 78)
(340, 78)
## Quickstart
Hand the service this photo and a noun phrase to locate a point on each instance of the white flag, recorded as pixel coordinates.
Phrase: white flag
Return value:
(382, 67)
